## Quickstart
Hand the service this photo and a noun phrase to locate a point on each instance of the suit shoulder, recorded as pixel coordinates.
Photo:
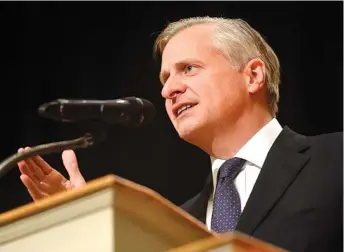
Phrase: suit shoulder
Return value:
(327, 146)
(334, 139)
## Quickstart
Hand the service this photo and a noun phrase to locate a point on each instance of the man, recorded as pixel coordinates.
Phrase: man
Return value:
(220, 81)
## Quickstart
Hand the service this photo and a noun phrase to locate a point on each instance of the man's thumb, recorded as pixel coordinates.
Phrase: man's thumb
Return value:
(71, 164)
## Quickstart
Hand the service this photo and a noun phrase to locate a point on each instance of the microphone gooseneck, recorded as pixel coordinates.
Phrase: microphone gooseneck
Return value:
(82, 142)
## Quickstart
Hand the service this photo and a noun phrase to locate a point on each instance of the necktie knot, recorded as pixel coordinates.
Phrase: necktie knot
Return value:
(231, 167)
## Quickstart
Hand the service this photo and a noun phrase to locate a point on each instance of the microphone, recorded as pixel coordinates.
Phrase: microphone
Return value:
(128, 111)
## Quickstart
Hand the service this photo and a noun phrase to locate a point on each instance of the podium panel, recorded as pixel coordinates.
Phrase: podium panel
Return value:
(112, 214)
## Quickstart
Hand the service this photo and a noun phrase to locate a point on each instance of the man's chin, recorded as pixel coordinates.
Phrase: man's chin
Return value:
(185, 134)
(189, 134)
(189, 129)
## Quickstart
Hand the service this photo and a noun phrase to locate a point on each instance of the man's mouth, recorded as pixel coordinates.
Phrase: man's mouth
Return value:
(184, 108)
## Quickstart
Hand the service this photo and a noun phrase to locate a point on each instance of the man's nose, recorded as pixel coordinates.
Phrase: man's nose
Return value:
(172, 88)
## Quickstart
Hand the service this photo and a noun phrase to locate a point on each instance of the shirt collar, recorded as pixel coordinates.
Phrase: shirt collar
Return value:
(257, 148)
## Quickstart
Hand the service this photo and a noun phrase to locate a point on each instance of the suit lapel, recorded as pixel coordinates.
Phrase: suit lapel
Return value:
(280, 168)
(197, 206)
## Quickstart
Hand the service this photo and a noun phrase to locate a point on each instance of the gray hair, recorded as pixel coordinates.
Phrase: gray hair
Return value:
(239, 43)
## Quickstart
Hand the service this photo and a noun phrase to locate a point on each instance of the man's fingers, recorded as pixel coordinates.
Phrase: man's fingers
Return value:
(35, 170)
(24, 169)
(40, 162)
(71, 163)
(38, 166)
(33, 190)
(31, 166)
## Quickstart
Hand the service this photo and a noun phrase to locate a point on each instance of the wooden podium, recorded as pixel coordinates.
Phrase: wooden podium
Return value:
(112, 214)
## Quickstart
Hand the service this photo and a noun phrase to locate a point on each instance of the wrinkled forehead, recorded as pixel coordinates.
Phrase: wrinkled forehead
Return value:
(192, 42)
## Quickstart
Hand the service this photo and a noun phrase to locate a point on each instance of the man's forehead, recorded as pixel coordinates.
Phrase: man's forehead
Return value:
(188, 43)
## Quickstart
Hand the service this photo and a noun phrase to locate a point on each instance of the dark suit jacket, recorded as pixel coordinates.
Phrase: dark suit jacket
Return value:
(297, 201)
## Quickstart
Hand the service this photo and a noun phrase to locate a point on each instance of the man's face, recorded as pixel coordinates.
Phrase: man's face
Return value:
(203, 91)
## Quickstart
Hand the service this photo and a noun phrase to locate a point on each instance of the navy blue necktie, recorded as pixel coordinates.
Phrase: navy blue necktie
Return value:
(227, 205)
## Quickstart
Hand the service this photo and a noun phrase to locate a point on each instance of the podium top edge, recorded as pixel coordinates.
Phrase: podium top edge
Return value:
(93, 186)
(236, 239)
(57, 199)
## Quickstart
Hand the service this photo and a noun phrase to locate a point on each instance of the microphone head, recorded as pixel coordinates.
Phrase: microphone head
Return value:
(129, 111)
(145, 111)
(51, 110)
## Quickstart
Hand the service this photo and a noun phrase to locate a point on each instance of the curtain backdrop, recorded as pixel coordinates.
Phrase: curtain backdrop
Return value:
(103, 50)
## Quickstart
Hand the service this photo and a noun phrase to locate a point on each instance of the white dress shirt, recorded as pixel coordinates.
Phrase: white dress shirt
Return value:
(254, 152)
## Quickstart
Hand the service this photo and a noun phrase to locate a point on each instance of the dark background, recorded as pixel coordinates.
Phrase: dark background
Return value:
(103, 50)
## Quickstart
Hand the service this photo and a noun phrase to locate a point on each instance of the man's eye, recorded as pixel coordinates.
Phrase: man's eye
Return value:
(188, 68)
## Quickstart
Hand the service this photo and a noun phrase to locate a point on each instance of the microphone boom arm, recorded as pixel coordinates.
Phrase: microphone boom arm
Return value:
(82, 142)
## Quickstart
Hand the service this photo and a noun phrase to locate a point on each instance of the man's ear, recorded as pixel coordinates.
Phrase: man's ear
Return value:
(255, 72)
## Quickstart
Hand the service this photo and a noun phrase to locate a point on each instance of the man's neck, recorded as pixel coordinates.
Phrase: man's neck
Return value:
(227, 140)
